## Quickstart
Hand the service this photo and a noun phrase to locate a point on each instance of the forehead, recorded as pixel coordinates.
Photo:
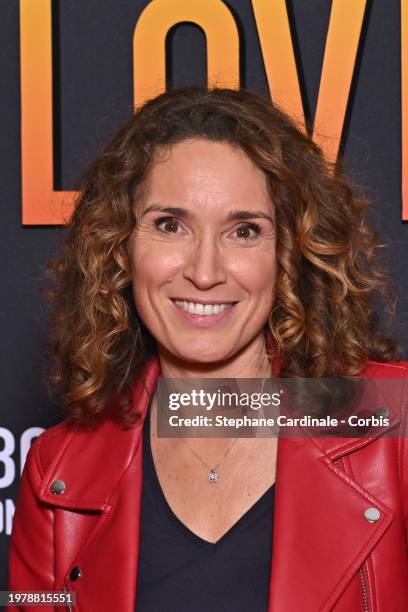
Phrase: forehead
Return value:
(202, 173)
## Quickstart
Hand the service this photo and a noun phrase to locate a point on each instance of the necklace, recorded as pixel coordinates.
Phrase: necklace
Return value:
(213, 475)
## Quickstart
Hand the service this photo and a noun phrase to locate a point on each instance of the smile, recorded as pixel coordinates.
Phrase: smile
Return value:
(203, 309)
(204, 315)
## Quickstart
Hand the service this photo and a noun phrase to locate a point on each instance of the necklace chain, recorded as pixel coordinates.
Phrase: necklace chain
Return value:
(213, 475)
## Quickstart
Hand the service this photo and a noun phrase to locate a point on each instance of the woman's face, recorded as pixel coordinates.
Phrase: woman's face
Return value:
(203, 251)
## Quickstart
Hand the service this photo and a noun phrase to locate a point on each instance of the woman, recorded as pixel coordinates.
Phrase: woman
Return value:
(212, 240)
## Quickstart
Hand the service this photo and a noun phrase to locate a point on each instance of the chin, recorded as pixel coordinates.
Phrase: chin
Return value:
(199, 354)
(203, 357)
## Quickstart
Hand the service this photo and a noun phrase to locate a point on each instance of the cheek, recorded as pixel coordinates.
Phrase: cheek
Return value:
(153, 266)
(256, 271)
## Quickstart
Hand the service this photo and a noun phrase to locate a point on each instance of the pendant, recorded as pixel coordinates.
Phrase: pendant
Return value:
(212, 476)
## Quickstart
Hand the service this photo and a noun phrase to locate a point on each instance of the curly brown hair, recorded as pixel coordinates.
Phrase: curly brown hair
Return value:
(323, 321)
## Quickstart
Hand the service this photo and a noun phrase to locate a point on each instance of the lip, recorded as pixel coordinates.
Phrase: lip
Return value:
(204, 320)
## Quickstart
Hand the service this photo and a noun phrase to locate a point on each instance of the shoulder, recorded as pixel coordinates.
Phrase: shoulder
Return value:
(396, 370)
(72, 440)
(392, 386)
(45, 448)
(62, 439)
(388, 369)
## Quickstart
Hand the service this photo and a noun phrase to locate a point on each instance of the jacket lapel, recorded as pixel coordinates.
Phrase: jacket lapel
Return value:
(96, 519)
(321, 537)
(91, 463)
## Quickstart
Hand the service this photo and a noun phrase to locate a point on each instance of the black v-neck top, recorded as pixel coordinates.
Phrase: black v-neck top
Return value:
(180, 572)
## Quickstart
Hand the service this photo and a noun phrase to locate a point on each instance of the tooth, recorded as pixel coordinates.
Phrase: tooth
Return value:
(202, 309)
(199, 309)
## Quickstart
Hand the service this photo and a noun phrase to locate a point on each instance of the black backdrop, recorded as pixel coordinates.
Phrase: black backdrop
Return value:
(93, 94)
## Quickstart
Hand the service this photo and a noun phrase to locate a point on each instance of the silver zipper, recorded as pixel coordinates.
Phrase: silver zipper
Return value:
(364, 587)
(68, 606)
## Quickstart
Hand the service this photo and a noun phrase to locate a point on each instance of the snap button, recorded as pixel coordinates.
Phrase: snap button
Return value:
(372, 514)
(75, 573)
(382, 412)
(58, 487)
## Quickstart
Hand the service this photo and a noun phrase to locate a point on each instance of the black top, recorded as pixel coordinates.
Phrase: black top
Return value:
(180, 572)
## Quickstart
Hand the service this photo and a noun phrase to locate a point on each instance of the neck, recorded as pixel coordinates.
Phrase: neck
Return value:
(251, 362)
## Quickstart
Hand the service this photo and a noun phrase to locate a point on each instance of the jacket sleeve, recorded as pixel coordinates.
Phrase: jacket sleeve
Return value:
(31, 556)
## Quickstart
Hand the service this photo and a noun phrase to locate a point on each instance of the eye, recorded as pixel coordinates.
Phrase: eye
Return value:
(167, 225)
(248, 231)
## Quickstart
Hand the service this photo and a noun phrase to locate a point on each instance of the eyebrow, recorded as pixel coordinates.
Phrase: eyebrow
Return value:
(233, 215)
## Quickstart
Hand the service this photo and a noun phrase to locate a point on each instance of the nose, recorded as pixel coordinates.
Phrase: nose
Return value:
(205, 265)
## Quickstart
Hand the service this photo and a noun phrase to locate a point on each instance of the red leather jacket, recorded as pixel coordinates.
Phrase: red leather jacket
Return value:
(326, 554)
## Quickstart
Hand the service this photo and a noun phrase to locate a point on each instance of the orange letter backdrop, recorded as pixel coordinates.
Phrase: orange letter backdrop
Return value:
(41, 204)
